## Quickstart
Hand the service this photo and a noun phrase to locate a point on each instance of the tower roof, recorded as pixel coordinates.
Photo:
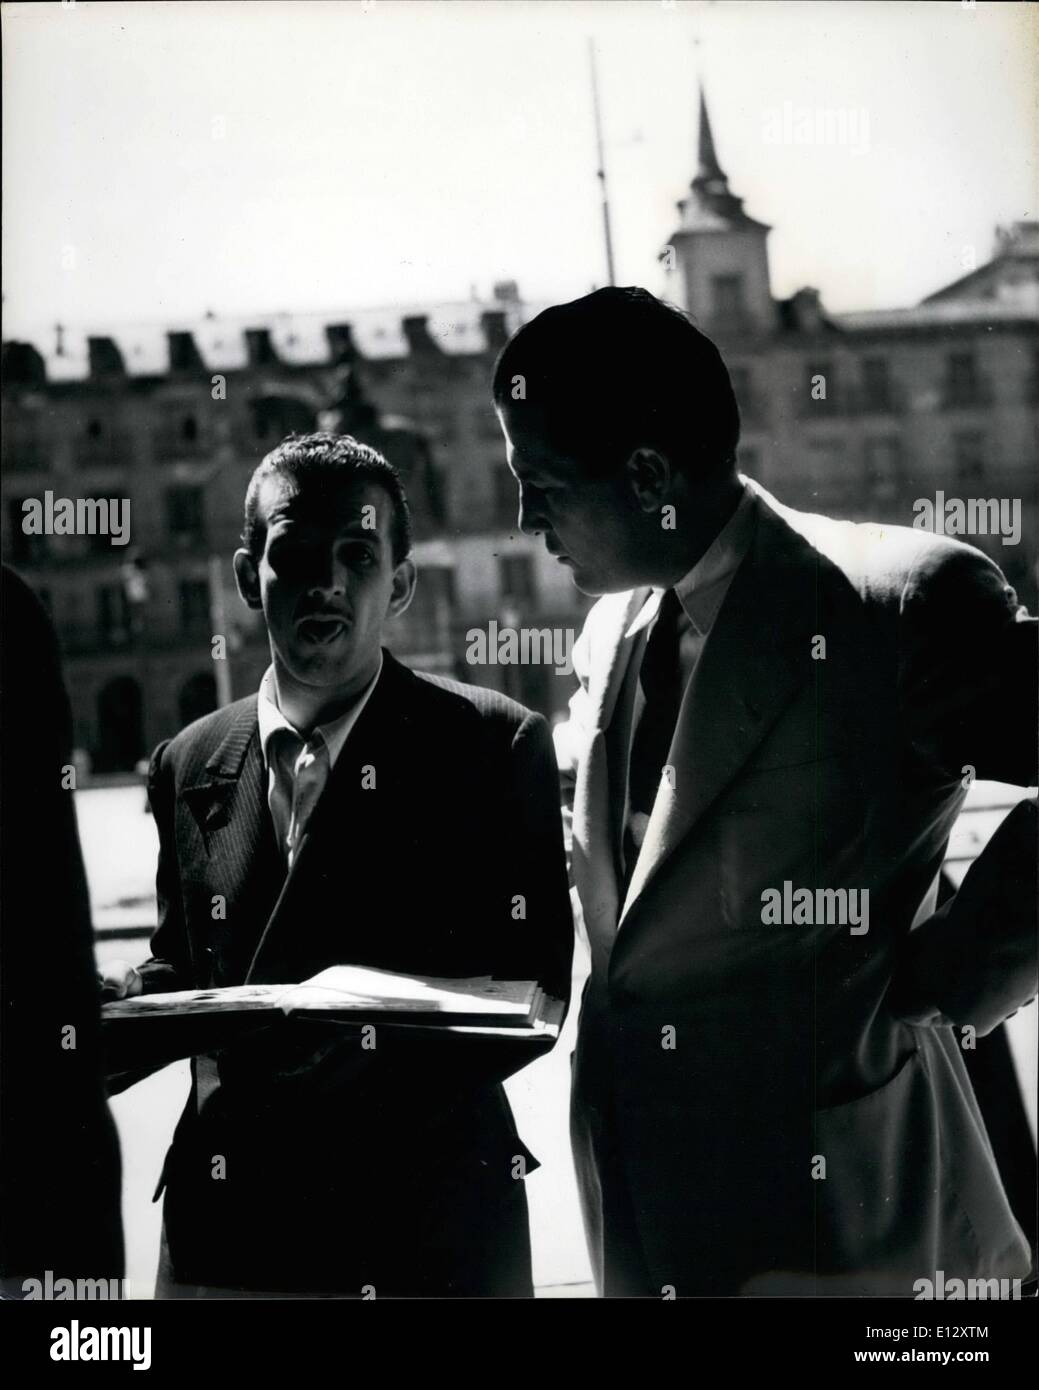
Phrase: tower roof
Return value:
(709, 168)
(712, 206)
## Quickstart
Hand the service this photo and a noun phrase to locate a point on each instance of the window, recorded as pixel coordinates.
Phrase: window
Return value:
(193, 595)
(727, 298)
(968, 451)
(185, 515)
(113, 616)
(962, 385)
(883, 468)
(102, 441)
(516, 573)
(179, 432)
(876, 383)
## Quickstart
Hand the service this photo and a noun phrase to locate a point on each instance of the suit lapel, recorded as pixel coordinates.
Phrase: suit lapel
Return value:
(757, 655)
(593, 865)
(229, 805)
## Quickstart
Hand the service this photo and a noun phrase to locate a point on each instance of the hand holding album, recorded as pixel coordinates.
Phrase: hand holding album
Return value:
(151, 1030)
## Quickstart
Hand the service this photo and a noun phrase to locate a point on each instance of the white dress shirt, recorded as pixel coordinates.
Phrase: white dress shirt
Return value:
(701, 593)
(298, 768)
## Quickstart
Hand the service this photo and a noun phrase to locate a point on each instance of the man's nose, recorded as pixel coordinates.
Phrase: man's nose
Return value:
(529, 518)
(328, 576)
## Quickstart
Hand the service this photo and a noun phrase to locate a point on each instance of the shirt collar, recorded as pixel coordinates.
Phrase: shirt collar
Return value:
(334, 733)
(702, 590)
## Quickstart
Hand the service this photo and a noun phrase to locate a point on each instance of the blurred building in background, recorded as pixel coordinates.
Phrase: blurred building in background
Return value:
(855, 414)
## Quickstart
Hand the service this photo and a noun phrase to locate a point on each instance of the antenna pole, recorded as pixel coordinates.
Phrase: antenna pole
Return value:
(600, 172)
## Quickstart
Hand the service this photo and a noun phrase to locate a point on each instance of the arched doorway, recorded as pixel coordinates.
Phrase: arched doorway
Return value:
(197, 697)
(120, 726)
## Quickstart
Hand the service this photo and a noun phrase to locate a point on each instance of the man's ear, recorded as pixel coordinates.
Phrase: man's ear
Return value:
(649, 474)
(404, 580)
(247, 577)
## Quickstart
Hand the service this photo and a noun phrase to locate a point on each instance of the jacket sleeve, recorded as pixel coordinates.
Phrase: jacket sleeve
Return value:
(169, 966)
(969, 700)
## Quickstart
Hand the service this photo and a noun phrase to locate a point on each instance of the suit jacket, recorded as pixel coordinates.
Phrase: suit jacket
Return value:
(303, 1162)
(784, 1109)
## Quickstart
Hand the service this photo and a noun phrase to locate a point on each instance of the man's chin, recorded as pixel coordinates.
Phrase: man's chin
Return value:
(325, 666)
(595, 585)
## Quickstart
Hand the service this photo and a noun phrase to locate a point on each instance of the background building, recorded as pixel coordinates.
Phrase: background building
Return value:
(906, 402)
(856, 414)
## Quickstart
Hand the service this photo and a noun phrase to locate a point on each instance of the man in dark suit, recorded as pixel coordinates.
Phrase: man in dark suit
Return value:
(352, 812)
(59, 1157)
(777, 720)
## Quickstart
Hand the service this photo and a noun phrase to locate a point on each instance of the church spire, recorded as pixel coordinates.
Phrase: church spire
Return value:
(712, 203)
(707, 158)
(717, 253)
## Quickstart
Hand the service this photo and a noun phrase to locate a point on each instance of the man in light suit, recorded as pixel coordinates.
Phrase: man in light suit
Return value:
(777, 718)
(350, 812)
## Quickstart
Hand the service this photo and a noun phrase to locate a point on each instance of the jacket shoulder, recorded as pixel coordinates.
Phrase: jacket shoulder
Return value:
(881, 558)
(450, 698)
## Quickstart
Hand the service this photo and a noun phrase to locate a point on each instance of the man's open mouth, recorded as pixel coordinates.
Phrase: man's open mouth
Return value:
(322, 628)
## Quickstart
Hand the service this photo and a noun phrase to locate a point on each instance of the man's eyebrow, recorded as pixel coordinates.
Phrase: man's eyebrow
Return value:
(358, 530)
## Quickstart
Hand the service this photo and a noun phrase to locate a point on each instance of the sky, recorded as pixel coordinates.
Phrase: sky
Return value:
(164, 160)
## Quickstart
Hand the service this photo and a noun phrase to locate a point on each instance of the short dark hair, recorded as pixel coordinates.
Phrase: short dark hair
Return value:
(618, 369)
(332, 458)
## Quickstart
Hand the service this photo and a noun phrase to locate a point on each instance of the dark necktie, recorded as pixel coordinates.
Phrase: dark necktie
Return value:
(661, 682)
